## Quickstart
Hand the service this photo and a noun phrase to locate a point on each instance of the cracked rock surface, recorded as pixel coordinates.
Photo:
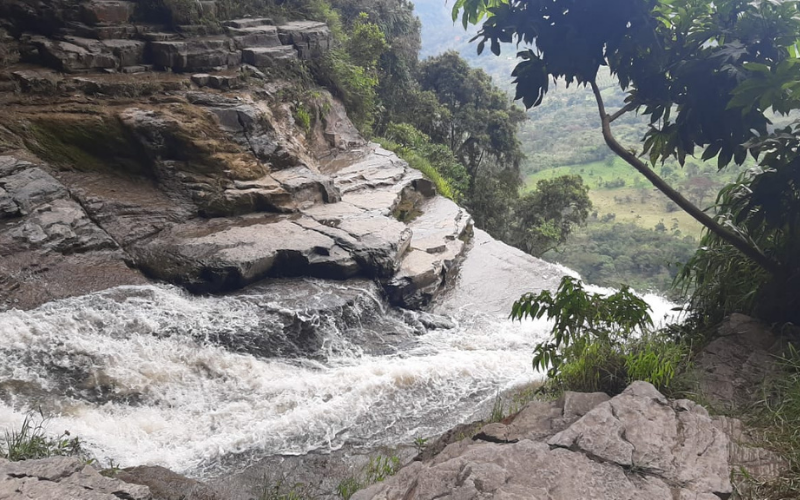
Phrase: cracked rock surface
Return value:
(636, 445)
(63, 478)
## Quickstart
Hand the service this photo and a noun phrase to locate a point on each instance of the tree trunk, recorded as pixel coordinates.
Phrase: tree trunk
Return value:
(703, 218)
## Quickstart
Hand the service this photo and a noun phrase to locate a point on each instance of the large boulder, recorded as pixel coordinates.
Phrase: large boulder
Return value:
(214, 191)
(636, 445)
(440, 231)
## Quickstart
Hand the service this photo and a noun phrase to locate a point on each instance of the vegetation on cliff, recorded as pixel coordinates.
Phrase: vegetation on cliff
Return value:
(444, 117)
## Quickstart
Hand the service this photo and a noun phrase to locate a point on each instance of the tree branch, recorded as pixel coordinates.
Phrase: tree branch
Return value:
(703, 218)
(628, 107)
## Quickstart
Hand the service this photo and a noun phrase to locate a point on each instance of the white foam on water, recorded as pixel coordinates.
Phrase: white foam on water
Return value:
(196, 401)
(182, 402)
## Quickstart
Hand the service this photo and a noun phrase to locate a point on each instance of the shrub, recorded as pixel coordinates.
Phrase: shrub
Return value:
(438, 155)
(354, 85)
(302, 117)
(349, 70)
(763, 207)
(347, 487)
(774, 422)
(599, 343)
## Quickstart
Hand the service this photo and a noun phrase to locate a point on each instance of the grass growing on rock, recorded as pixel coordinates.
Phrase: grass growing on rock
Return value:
(31, 442)
(418, 162)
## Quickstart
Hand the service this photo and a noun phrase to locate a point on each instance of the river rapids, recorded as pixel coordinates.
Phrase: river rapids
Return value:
(154, 375)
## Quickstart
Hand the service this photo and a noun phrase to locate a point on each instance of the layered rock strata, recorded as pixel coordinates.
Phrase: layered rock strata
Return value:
(130, 151)
(81, 36)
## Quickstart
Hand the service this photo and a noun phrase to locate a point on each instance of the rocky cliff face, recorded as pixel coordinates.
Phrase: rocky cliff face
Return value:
(129, 152)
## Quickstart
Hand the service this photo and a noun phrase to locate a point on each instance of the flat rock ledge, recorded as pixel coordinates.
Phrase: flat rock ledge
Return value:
(63, 478)
(637, 445)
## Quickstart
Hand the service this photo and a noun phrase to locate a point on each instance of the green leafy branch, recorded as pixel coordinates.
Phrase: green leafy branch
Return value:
(581, 318)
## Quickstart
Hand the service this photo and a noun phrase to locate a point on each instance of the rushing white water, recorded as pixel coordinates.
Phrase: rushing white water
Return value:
(130, 371)
(152, 375)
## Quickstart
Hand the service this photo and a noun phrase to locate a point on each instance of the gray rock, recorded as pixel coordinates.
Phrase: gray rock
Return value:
(267, 57)
(255, 36)
(37, 80)
(578, 404)
(229, 254)
(732, 368)
(248, 22)
(127, 52)
(640, 428)
(493, 275)
(31, 188)
(744, 454)
(201, 79)
(308, 37)
(10, 165)
(107, 11)
(75, 54)
(339, 131)
(135, 69)
(306, 187)
(51, 248)
(65, 478)
(383, 241)
(261, 195)
(538, 420)
(673, 445)
(438, 242)
(61, 226)
(167, 485)
(8, 207)
(195, 54)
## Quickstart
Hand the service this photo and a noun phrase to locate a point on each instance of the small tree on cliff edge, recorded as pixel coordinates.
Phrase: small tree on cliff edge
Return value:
(703, 72)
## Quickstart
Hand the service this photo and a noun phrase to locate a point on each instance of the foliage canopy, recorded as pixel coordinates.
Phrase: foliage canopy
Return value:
(705, 74)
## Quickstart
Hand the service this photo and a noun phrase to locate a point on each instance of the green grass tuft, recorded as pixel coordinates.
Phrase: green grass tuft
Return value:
(31, 442)
(417, 162)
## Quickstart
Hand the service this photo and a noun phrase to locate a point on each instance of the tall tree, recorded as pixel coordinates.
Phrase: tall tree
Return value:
(480, 124)
(684, 63)
(545, 217)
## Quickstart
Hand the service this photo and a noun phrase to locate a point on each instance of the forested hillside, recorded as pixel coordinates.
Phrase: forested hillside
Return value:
(562, 137)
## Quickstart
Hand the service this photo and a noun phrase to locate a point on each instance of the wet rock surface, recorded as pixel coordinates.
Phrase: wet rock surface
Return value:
(493, 275)
(49, 245)
(66, 478)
